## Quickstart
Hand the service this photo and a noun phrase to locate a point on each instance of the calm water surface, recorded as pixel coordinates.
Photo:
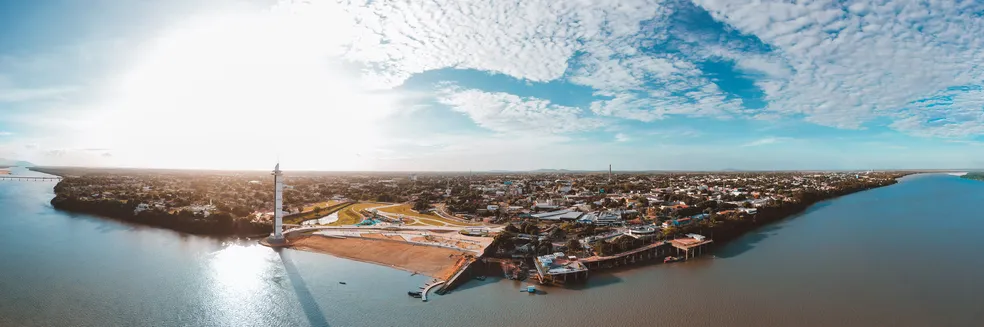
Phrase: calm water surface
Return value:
(903, 255)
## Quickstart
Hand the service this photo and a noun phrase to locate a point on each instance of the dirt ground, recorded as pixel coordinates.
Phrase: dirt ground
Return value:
(425, 260)
(383, 237)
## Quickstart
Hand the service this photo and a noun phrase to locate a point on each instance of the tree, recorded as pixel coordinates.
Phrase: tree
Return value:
(669, 231)
(601, 248)
(529, 228)
(421, 205)
(574, 245)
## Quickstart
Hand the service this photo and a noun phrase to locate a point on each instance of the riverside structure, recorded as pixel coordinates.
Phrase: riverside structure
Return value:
(278, 207)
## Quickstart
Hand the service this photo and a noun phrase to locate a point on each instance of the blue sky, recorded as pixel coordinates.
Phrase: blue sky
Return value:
(474, 85)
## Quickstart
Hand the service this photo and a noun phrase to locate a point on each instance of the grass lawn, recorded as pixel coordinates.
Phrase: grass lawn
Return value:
(429, 222)
(323, 204)
(351, 216)
(298, 218)
(405, 209)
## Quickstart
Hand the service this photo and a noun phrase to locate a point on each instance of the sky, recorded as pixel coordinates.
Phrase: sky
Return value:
(458, 85)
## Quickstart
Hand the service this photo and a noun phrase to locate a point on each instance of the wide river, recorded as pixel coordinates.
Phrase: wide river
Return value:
(903, 255)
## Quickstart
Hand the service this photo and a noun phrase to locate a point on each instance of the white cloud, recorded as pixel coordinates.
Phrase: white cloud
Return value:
(527, 39)
(10, 92)
(24, 94)
(507, 113)
(861, 60)
(767, 141)
(5, 133)
(622, 137)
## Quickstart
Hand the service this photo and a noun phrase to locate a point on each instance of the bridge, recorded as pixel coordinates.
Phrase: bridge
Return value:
(28, 178)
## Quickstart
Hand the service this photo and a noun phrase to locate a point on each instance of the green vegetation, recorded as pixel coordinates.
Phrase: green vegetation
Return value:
(315, 213)
(405, 209)
(977, 176)
(434, 220)
(350, 215)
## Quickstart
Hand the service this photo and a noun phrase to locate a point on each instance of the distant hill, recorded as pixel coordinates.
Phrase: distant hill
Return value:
(14, 163)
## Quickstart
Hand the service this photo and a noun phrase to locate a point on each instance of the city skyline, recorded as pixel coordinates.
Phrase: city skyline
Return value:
(517, 86)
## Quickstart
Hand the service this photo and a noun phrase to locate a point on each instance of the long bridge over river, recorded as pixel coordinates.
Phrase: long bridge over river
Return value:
(28, 178)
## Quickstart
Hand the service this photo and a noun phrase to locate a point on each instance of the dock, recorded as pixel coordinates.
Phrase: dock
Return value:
(559, 269)
(692, 246)
(657, 250)
(463, 274)
(427, 288)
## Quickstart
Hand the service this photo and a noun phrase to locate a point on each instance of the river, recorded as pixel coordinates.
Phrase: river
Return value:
(902, 255)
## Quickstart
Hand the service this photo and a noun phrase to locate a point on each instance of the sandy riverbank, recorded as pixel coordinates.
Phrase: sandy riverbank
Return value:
(426, 260)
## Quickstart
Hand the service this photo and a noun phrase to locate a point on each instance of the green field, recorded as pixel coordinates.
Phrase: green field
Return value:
(307, 215)
(406, 210)
(351, 216)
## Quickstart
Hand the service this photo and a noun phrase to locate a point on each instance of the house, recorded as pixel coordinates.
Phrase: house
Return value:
(141, 207)
(677, 222)
(566, 215)
(608, 218)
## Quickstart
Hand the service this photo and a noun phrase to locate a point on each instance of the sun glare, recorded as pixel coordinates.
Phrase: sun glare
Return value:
(237, 91)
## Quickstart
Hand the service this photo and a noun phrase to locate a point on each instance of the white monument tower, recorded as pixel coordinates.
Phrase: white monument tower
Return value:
(278, 202)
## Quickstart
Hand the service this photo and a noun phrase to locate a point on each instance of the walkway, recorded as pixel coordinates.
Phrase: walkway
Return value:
(427, 289)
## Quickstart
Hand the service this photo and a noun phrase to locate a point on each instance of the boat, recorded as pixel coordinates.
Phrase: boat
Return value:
(414, 294)
(671, 259)
(343, 283)
(480, 277)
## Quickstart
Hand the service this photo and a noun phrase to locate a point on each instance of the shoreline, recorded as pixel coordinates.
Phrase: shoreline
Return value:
(162, 220)
(771, 215)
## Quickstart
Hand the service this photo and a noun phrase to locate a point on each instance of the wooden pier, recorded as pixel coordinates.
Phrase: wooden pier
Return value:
(690, 247)
(658, 250)
(428, 287)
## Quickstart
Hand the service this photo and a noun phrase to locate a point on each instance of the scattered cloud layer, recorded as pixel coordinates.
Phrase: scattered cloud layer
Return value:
(833, 63)
(507, 113)
(577, 71)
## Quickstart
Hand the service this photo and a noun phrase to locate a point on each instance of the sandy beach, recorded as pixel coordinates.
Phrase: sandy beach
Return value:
(426, 260)
(4, 172)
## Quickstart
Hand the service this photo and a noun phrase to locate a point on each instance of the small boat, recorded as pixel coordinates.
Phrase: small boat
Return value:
(343, 283)
(531, 289)
(671, 259)
(414, 294)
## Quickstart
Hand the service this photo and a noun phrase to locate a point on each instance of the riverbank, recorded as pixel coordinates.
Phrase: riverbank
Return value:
(426, 260)
(732, 229)
(220, 224)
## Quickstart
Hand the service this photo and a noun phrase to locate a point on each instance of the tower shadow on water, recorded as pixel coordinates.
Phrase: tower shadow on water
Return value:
(315, 317)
